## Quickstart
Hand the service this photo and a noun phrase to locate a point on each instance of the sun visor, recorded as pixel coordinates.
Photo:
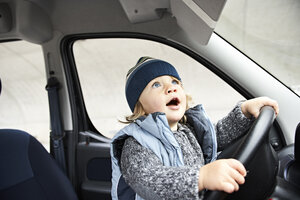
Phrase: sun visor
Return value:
(198, 18)
(141, 11)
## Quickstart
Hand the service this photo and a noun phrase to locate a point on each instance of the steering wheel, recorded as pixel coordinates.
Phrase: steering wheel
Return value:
(248, 147)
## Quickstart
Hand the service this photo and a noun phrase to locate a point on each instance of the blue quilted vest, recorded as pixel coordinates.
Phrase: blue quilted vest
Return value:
(153, 132)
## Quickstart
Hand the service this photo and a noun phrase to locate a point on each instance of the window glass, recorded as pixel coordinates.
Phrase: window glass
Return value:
(23, 100)
(268, 32)
(102, 66)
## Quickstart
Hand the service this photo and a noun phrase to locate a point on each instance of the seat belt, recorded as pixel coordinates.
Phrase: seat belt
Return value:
(57, 133)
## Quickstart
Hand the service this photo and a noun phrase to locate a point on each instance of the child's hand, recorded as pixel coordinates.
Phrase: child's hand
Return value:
(252, 107)
(223, 174)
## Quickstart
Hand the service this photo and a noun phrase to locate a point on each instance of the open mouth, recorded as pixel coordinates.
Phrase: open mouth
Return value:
(174, 102)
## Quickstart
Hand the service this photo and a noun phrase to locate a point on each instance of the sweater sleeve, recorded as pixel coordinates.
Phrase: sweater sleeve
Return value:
(147, 176)
(232, 126)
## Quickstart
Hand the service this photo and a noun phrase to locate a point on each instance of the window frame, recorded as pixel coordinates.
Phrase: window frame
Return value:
(82, 122)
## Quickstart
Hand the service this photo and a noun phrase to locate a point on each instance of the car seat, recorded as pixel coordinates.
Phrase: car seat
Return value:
(28, 171)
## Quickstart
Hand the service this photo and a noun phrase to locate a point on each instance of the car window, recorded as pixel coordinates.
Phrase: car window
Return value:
(102, 66)
(23, 100)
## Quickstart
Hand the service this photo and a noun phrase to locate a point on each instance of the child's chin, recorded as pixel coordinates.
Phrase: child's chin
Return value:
(175, 118)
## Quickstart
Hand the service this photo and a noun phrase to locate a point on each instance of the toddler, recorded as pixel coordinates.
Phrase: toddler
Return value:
(168, 151)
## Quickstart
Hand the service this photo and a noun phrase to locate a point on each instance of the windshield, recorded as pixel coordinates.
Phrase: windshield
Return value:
(268, 32)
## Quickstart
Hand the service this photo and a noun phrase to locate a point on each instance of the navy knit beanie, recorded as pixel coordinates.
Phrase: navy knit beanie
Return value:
(142, 73)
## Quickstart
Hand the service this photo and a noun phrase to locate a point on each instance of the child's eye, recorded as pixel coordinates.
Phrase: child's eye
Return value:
(156, 85)
(175, 82)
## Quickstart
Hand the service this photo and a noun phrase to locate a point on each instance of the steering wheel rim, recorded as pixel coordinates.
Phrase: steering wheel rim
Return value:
(249, 145)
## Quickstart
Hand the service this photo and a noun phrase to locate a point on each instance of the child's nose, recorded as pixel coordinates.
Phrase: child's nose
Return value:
(171, 89)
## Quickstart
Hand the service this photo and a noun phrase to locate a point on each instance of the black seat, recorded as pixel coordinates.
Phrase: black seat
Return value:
(27, 170)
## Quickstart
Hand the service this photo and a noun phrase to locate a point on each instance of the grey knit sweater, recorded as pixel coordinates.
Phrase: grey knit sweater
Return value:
(144, 172)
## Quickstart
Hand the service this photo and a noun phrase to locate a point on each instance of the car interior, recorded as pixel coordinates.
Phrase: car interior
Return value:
(74, 37)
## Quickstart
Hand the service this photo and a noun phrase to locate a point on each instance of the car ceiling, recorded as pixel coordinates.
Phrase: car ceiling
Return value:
(37, 21)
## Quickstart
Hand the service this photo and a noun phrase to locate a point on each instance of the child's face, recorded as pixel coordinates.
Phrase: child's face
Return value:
(164, 94)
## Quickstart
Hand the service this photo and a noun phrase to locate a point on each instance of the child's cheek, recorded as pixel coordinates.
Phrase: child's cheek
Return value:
(158, 106)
